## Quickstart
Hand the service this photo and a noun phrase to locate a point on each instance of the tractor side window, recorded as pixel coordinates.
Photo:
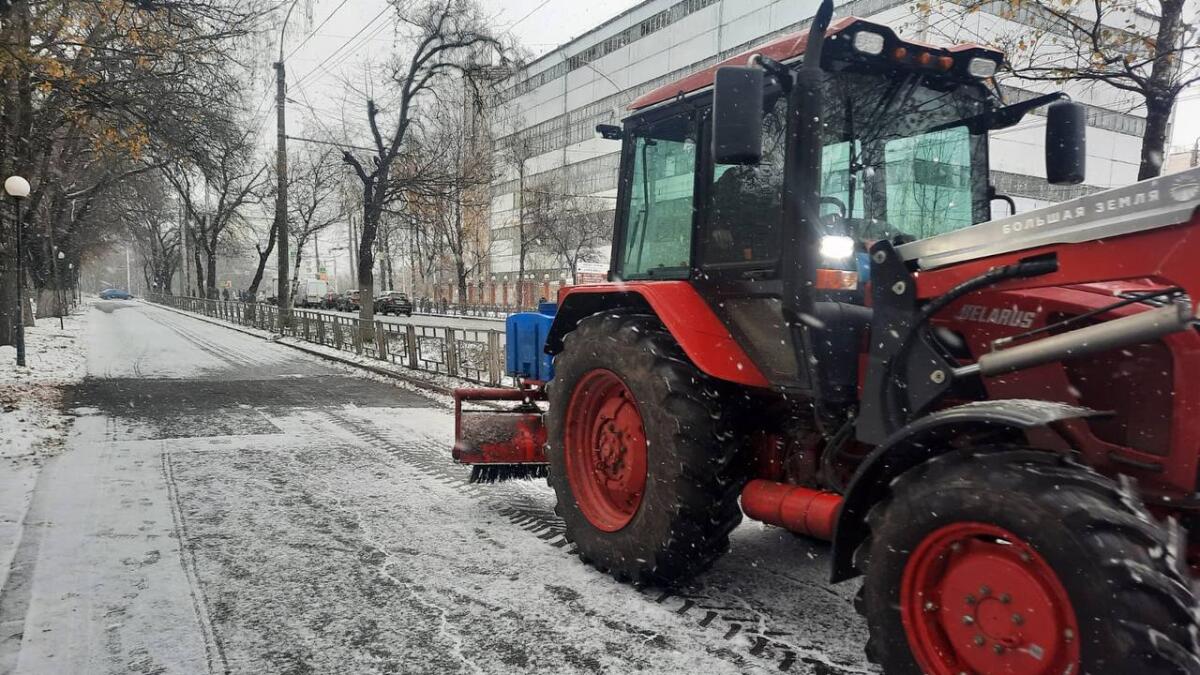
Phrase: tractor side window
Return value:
(745, 201)
(929, 187)
(658, 227)
(842, 190)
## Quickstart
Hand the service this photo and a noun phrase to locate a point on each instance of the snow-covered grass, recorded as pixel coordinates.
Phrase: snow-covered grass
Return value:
(30, 396)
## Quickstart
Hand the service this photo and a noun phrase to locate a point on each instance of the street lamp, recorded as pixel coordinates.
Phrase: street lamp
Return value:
(18, 189)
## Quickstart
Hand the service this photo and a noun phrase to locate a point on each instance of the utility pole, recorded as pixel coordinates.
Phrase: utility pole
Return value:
(281, 192)
(184, 263)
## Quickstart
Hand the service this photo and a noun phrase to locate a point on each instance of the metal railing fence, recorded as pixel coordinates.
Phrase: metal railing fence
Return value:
(467, 353)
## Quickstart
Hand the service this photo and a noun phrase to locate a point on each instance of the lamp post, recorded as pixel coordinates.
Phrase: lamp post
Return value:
(18, 189)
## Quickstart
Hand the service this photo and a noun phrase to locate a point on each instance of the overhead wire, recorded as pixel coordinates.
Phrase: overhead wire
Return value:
(345, 44)
(531, 12)
(315, 30)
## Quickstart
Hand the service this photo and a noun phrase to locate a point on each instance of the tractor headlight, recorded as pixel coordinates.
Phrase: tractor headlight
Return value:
(981, 68)
(867, 42)
(836, 247)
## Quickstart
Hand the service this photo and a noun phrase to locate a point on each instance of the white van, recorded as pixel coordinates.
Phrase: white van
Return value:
(313, 294)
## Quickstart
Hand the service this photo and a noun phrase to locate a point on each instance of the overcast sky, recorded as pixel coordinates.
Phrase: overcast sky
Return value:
(345, 34)
(325, 54)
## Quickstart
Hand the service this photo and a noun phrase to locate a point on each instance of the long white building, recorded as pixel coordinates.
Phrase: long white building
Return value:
(556, 102)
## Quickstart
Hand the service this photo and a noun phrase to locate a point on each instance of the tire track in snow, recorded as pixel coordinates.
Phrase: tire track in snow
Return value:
(213, 647)
(747, 628)
(220, 352)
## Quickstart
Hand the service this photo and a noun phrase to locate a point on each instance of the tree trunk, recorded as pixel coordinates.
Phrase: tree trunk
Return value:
(1154, 142)
(210, 280)
(461, 270)
(51, 302)
(263, 255)
(1161, 91)
(199, 270)
(521, 224)
(366, 261)
(300, 241)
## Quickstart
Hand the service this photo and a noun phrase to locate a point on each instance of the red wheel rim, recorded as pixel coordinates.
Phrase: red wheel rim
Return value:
(976, 598)
(605, 450)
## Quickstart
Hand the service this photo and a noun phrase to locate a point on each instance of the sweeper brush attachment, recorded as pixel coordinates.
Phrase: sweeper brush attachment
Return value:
(500, 444)
(496, 473)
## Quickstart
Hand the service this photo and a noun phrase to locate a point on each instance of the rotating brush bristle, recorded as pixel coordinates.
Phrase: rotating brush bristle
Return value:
(496, 473)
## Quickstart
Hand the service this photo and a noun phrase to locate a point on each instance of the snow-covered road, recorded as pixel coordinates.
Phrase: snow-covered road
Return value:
(229, 505)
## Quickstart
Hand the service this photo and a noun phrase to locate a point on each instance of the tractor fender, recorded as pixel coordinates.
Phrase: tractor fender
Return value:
(921, 441)
(684, 313)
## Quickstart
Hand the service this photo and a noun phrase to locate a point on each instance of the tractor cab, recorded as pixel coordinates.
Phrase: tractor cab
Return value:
(708, 163)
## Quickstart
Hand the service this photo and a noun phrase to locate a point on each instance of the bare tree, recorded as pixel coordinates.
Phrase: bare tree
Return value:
(575, 228)
(314, 205)
(151, 219)
(516, 150)
(1153, 56)
(447, 38)
(235, 181)
(93, 93)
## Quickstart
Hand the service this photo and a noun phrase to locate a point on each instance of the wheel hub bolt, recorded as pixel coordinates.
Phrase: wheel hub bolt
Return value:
(1018, 619)
(970, 599)
(1005, 598)
(929, 606)
(979, 640)
(968, 619)
(998, 648)
(984, 591)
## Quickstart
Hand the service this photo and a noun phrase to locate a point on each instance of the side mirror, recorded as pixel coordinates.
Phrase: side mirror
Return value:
(1066, 143)
(737, 115)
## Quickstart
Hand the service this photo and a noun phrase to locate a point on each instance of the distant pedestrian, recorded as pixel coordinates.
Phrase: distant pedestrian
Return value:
(225, 294)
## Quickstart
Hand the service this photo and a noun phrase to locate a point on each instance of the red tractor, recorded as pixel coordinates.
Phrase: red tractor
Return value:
(813, 319)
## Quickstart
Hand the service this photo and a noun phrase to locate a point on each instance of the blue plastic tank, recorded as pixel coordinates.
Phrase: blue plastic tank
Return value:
(525, 345)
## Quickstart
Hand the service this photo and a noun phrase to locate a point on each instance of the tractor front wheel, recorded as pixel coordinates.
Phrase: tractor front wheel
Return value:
(1019, 561)
(640, 455)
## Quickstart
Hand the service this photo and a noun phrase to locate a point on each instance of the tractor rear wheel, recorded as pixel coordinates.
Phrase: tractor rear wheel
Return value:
(640, 457)
(1021, 561)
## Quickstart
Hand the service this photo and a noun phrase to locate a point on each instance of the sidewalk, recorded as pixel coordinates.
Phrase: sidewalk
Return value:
(33, 425)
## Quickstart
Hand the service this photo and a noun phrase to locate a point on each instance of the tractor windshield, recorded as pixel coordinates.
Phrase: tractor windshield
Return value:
(893, 163)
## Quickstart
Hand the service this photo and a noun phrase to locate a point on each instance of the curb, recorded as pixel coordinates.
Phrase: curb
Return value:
(378, 370)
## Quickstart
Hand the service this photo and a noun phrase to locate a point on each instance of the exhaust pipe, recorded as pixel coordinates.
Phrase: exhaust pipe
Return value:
(802, 510)
(1128, 330)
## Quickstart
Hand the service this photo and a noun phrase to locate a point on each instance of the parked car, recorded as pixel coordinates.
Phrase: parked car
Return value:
(393, 302)
(115, 294)
(349, 301)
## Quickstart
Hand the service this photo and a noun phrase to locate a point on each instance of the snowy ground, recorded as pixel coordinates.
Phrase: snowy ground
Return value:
(227, 504)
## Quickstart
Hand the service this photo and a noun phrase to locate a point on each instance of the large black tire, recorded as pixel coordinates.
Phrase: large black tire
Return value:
(1121, 571)
(689, 504)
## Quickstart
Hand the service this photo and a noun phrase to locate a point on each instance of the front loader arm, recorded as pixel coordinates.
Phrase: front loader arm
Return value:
(1149, 230)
